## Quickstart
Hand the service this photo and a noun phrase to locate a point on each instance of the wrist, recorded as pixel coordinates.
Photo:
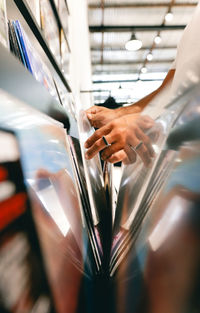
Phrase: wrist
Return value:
(136, 109)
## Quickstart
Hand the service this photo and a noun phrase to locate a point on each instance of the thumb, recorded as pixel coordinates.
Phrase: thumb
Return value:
(93, 110)
(89, 116)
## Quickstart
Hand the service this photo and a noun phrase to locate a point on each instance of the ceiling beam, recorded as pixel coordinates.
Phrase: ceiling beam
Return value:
(139, 5)
(135, 28)
(126, 71)
(120, 49)
(122, 81)
(156, 61)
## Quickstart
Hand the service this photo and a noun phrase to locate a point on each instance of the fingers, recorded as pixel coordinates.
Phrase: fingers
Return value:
(96, 116)
(97, 135)
(93, 110)
(92, 118)
(96, 147)
(109, 151)
(91, 114)
(119, 135)
(147, 142)
(117, 157)
(143, 152)
(145, 122)
(126, 161)
(127, 156)
(131, 156)
(96, 120)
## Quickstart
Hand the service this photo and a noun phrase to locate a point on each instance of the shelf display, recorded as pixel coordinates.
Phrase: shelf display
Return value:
(34, 6)
(3, 24)
(56, 3)
(56, 204)
(23, 281)
(156, 221)
(64, 55)
(63, 13)
(50, 28)
(64, 245)
(27, 54)
(100, 212)
(164, 220)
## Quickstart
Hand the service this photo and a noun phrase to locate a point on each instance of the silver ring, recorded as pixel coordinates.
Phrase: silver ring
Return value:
(105, 141)
(137, 146)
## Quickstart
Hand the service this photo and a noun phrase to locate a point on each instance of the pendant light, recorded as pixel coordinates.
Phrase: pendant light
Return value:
(133, 44)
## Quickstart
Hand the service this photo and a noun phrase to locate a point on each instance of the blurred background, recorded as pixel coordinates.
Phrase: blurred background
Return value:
(128, 75)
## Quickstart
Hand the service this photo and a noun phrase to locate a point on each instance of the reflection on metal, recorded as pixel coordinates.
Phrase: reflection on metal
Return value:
(168, 222)
(154, 262)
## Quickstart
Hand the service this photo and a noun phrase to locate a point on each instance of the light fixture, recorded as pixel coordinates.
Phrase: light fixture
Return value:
(143, 70)
(149, 56)
(157, 39)
(169, 16)
(133, 44)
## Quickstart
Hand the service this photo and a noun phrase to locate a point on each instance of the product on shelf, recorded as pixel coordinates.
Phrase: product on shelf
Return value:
(56, 206)
(3, 24)
(50, 27)
(27, 54)
(15, 45)
(56, 3)
(34, 6)
(63, 13)
(23, 282)
(64, 55)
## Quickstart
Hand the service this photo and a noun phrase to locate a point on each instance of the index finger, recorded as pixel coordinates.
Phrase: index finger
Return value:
(97, 135)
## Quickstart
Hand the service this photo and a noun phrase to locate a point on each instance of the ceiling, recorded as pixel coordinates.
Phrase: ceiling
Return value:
(111, 23)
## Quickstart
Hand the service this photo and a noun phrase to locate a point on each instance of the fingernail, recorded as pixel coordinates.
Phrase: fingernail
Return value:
(86, 145)
(86, 156)
(89, 115)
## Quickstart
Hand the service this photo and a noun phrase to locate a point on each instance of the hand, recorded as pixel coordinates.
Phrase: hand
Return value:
(100, 116)
(121, 134)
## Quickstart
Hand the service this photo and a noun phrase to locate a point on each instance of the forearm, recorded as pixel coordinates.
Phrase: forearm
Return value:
(141, 104)
(138, 106)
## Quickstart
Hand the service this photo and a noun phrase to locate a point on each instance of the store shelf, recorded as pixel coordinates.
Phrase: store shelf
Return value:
(17, 81)
(67, 6)
(59, 21)
(26, 13)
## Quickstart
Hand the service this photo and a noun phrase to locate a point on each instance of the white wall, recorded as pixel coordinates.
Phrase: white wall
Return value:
(80, 60)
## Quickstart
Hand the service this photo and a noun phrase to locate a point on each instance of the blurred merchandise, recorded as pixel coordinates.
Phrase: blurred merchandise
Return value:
(3, 24)
(23, 282)
(34, 6)
(50, 28)
(65, 54)
(21, 46)
(64, 15)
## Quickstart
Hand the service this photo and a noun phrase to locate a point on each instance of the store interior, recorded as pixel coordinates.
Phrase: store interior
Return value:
(88, 225)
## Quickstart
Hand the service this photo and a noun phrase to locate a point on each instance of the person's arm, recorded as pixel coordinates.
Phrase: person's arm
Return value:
(100, 116)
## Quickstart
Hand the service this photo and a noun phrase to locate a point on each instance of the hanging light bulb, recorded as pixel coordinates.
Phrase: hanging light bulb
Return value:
(149, 56)
(169, 16)
(133, 44)
(143, 70)
(157, 39)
